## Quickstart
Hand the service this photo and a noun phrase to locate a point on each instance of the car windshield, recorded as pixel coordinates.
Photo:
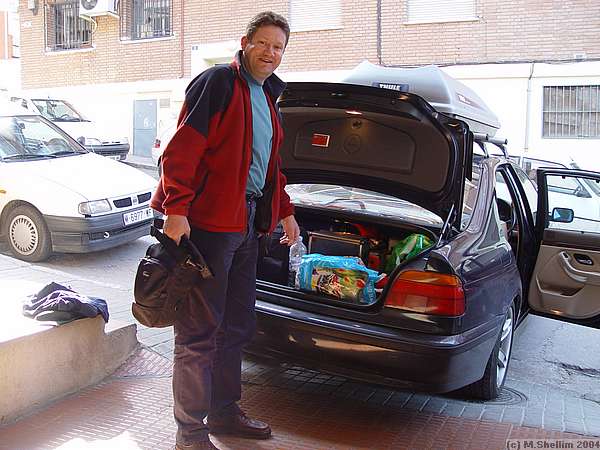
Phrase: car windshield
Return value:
(57, 110)
(360, 201)
(30, 137)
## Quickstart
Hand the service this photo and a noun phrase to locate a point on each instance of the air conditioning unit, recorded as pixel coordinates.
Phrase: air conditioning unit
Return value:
(93, 8)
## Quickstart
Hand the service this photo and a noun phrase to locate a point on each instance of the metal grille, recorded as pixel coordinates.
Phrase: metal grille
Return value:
(571, 112)
(64, 28)
(123, 202)
(145, 19)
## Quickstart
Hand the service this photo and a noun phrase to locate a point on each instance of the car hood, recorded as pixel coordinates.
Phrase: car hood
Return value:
(92, 176)
(90, 130)
(386, 141)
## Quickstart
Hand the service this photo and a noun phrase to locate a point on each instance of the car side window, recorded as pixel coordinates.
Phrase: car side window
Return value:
(470, 195)
(507, 210)
(568, 211)
(530, 191)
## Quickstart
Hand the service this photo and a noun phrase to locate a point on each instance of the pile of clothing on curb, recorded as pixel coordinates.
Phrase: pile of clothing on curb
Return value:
(61, 304)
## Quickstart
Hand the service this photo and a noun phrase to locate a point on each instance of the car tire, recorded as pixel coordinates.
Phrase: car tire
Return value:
(27, 234)
(496, 369)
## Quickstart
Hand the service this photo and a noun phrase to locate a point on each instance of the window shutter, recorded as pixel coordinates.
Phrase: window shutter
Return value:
(441, 10)
(306, 15)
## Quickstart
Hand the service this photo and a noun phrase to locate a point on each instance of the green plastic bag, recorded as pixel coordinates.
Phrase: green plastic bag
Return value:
(407, 248)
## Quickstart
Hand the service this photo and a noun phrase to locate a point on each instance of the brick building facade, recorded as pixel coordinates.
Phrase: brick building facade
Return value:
(377, 30)
(540, 43)
(507, 31)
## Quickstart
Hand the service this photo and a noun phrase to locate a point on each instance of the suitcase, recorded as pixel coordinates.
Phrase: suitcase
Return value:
(335, 243)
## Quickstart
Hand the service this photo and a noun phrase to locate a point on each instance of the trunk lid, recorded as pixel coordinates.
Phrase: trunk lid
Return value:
(387, 141)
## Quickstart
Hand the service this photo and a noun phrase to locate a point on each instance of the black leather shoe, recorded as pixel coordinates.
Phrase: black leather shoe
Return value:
(203, 445)
(239, 425)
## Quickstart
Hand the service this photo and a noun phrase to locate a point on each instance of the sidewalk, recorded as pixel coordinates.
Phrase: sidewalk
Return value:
(132, 409)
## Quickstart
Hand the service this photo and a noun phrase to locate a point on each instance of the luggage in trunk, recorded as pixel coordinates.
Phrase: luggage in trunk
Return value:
(333, 236)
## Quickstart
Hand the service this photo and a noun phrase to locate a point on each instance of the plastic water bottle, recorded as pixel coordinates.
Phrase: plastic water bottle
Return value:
(297, 250)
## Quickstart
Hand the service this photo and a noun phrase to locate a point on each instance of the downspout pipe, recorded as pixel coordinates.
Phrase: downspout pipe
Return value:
(528, 109)
(379, 56)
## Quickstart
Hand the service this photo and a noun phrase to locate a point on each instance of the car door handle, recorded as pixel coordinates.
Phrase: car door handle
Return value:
(580, 276)
(583, 259)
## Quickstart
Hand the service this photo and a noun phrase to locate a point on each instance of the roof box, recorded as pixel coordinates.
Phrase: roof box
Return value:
(440, 90)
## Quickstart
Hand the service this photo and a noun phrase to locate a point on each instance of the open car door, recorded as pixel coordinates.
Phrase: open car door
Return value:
(565, 283)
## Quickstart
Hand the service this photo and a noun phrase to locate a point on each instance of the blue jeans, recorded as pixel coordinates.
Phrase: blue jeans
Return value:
(213, 325)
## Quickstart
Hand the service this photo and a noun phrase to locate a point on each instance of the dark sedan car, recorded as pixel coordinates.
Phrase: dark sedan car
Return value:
(370, 169)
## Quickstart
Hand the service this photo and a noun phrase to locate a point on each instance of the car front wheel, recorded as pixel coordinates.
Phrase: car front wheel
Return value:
(490, 386)
(28, 234)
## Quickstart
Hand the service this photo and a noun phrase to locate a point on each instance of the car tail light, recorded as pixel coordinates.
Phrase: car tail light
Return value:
(427, 293)
(156, 143)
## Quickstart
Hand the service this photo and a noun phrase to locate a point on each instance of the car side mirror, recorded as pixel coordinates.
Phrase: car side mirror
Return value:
(562, 215)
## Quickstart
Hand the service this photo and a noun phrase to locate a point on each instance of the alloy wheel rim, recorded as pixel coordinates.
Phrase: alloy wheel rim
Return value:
(24, 235)
(505, 347)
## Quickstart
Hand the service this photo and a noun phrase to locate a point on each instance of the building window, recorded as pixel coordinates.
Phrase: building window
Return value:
(64, 28)
(427, 11)
(146, 19)
(310, 15)
(571, 112)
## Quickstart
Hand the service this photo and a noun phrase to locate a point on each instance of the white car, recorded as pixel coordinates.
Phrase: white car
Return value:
(57, 197)
(87, 133)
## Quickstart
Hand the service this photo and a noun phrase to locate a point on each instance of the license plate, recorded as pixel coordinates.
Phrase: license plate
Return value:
(116, 157)
(137, 216)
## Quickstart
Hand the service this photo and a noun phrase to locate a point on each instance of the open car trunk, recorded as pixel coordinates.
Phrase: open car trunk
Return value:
(369, 238)
(389, 142)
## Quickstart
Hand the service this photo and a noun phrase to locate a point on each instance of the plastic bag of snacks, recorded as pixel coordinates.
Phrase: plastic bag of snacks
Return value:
(344, 277)
(407, 248)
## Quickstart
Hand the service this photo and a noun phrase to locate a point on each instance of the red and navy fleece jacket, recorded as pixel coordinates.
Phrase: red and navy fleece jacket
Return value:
(206, 163)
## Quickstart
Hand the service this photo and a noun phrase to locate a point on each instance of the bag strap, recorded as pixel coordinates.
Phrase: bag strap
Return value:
(168, 243)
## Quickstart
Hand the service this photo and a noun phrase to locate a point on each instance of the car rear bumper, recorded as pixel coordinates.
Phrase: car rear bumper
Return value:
(82, 235)
(372, 353)
(115, 151)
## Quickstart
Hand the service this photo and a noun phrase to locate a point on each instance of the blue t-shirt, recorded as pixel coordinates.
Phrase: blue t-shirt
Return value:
(262, 136)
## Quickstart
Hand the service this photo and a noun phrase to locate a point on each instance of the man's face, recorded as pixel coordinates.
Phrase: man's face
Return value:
(262, 54)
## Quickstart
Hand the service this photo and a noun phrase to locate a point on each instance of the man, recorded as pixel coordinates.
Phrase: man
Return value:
(223, 161)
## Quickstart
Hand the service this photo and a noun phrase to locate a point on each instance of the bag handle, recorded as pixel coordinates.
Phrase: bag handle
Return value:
(185, 253)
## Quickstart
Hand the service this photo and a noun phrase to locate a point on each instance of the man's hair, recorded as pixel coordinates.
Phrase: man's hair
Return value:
(267, 18)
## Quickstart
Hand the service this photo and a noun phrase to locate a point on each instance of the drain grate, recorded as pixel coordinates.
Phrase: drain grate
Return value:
(508, 396)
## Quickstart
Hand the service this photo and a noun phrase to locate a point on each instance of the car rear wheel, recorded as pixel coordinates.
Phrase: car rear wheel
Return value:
(490, 386)
(28, 234)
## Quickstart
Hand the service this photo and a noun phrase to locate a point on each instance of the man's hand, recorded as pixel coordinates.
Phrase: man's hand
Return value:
(176, 226)
(291, 230)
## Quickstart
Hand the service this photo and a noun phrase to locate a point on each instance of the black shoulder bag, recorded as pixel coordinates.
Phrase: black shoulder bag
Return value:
(164, 278)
